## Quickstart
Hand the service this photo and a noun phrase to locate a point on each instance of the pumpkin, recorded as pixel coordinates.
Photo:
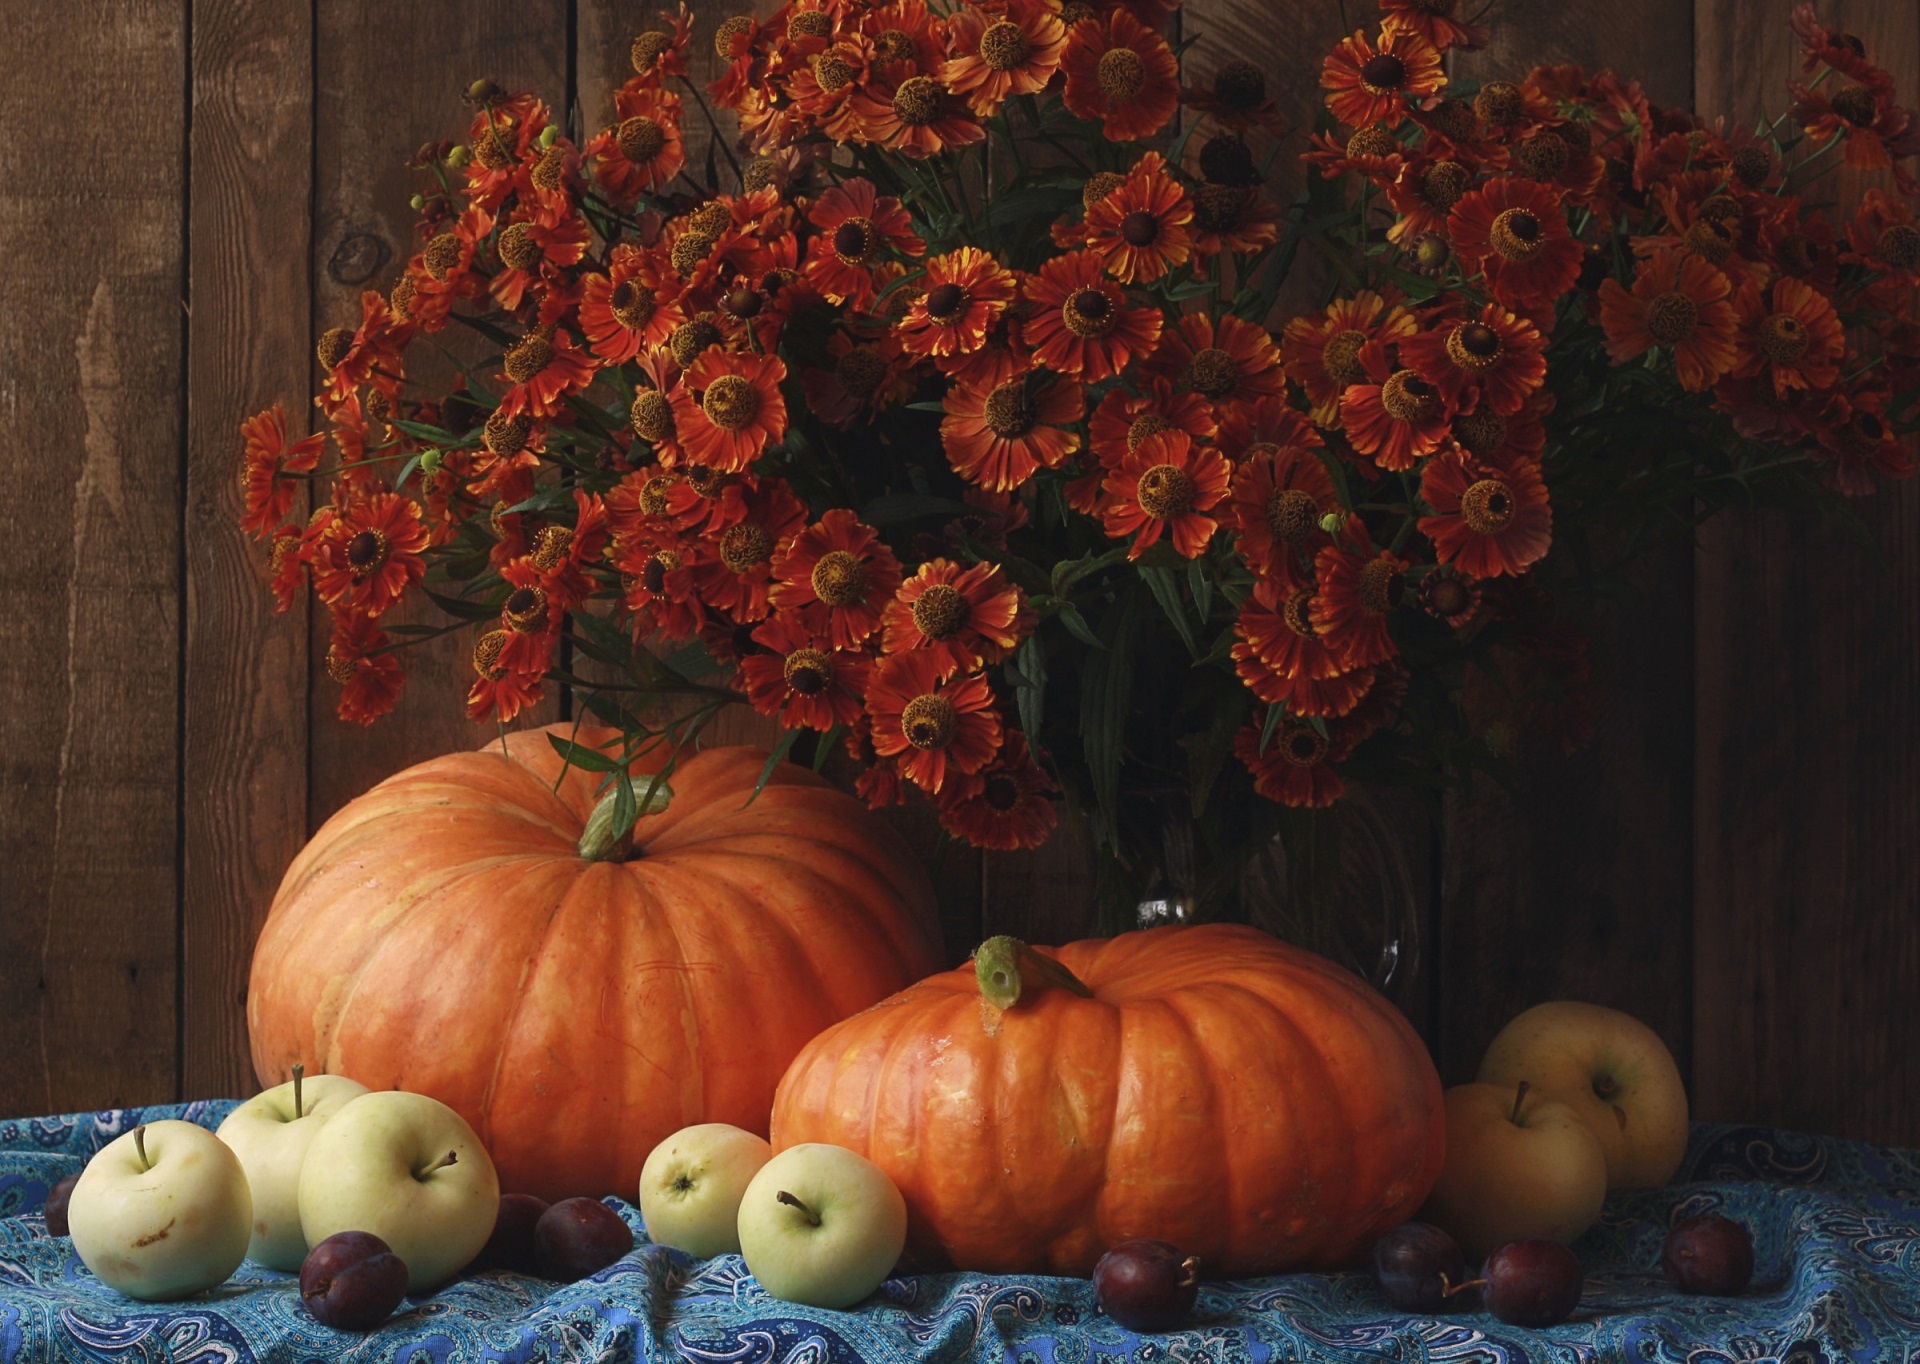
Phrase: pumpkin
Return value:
(443, 933)
(1248, 1101)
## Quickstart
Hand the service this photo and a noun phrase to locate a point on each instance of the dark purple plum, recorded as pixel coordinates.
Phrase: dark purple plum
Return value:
(352, 1281)
(1147, 1285)
(1534, 1282)
(1708, 1254)
(577, 1237)
(511, 1244)
(56, 1209)
(1417, 1264)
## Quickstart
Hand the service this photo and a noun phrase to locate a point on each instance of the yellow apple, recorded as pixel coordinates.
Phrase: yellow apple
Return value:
(692, 1183)
(270, 1133)
(1613, 1070)
(821, 1225)
(1518, 1165)
(162, 1212)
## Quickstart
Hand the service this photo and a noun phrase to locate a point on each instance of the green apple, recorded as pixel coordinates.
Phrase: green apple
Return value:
(1615, 1072)
(1518, 1165)
(822, 1225)
(270, 1133)
(411, 1171)
(692, 1183)
(162, 1212)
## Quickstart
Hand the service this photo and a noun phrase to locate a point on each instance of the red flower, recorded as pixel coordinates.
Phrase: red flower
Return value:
(370, 678)
(1167, 484)
(263, 482)
(728, 409)
(805, 681)
(997, 435)
(1295, 770)
(931, 719)
(1237, 100)
(1368, 84)
(512, 670)
(919, 117)
(643, 151)
(853, 226)
(370, 554)
(963, 615)
(533, 250)
(1794, 336)
(1360, 588)
(634, 306)
(1082, 324)
(752, 520)
(1497, 355)
(1006, 805)
(838, 576)
(1677, 301)
(997, 54)
(1489, 519)
(1515, 234)
(1125, 419)
(1398, 418)
(1122, 73)
(1282, 660)
(1227, 362)
(1434, 21)
(1140, 228)
(1884, 236)
(966, 292)
(370, 355)
(1322, 353)
(544, 368)
(1278, 498)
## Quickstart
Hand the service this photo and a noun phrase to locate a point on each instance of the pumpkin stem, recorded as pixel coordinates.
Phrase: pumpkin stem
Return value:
(1005, 967)
(606, 838)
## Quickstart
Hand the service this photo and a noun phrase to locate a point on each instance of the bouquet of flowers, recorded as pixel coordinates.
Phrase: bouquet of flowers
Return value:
(959, 431)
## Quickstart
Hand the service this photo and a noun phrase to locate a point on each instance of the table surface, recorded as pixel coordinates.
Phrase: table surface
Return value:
(1837, 1277)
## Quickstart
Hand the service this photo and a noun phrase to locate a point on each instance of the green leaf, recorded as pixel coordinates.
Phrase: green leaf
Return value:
(894, 508)
(1077, 627)
(780, 751)
(586, 759)
(1202, 588)
(1272, 723)
(1166, 591)
(1030, 691)
(1209, 749)
(1106, 689)
(463, 608)
(604, 635)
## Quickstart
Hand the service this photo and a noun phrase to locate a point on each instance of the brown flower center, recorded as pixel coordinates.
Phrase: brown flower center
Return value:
(1008, 412)
(1782, 339)
(1341, 356)
(1487, 506)
(1500, 103)
(1003, 46)
(1213, 373)
(525, 609)
(366, 552)
(1302, 746)
(1798, 254)
(854, 240)
(633, 304)
(1482, 432)
(731, 402)
(1140, 228)
(839, 579)
(929, 721)
(528, 358)
(1543, 156)
(1144, 425)
(1099, 185)
(442, 256)
(1240, 86)
(1899, 246)
(1752, 166)
(1121, 73)
(1671, 318)
(1382, 585)
(1227, 160)
(1443, 183)
(732, 35)
(1517, 235)
(745, 545)
(1863, 434)
(1445, 595)
(1089, 313)
(946, 302)
(833, 72)
(1372, 140)
(1710, 239)
(647, 49)
(940, 611)
(342, 668)
(687, 340)
(809, 23)
(690, 249)
(1292, 514)
(1407, 397)
(807, 671)
(1383, 73)
(1165, 491)
(917, 101)
(860, 372)
(333, 346)
(506, 435)
(640, 139)
(1218, 208)
(651, 416)
(1474, 346)
(1856, 105)
(486, 654)
(653, 493)
(1297, 613)
(1001, 793)
(654, 576)
(550, 546)
(894, 46)
(494, 147)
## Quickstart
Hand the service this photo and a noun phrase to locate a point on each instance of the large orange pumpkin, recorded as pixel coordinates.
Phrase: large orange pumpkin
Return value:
(1207, 1084)
(442, 934)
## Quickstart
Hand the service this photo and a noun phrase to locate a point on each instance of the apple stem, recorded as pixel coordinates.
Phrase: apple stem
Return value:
(1519, 1097)
(1006, 967)
(1190, 1271)
(299, 1071)
(1448, 1289)
(450, 1158)
(784, 1197)
(140, 1145)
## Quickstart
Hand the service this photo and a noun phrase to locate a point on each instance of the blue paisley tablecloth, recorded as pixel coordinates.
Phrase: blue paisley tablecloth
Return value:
(1837, 1254)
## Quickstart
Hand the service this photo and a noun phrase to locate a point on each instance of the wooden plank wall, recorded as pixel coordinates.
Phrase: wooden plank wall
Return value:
(1736, 858)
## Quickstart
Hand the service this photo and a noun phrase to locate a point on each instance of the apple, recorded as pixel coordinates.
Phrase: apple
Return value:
(692, 1183)
(162, 1212)
(409, 1170)
(270, 1133)
(1615, 1072)
(821, 1225)
(1518, 1166)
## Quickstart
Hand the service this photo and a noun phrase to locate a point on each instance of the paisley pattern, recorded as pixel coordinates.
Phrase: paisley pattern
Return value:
(1837, 1253)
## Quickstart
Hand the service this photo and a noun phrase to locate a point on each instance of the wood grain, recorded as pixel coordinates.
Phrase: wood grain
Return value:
(245, 750)
(93, 275)
(1807, 892)
(390, 77)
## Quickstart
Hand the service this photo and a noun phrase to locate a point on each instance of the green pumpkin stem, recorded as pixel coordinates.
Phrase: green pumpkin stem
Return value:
(602, 841)
(1006, 968)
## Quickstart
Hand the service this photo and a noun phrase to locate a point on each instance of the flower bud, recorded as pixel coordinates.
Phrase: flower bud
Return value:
(430, 462)
(548, 136)
(458, 157)
(417, 202)
(1332, 522)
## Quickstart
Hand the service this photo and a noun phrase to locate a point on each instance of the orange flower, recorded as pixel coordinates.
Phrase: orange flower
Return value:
(966, 292)
(1322, 354)
(738, 411)
(634, 306)
(964, 615)
(804, 681)
(931, 719)
(1884, 236)
(1397, 417)
(1140, 227)
(1497, 355)
(1122, 73)
(1677, 301)
(1005, 806)
(1278, 498)
(1489, 519)
(369, 677)
(544, 367)
(918, 118)
(370, 554)
(997, 55)
(1869, 117)
(1434, 21)
(512, 669)
(1368, 84)
(1237, 218)
(657, 584)
(751, 520)
(838, 576)
(269, 494)
(853, 226)
(370, 355)
(1082, 324)
(643, 151)
(657, 56)
(1125, 419)
(996, 435)
(1167, 484)
(1237, 100)
(1295, 770)
(1795, 337)
(1360, 588)
(1514, 233)
(867, 373)
(1859, 443)
(1281, 659)
(1227, 362)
